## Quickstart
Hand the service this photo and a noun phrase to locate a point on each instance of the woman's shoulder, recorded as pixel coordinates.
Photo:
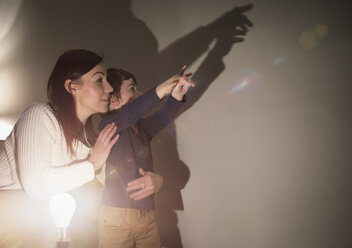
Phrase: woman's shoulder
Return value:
(39, 111)
(39, 108)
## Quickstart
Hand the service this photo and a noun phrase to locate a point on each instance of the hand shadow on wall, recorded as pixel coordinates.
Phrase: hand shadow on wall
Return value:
(225, 30)
(129, 44)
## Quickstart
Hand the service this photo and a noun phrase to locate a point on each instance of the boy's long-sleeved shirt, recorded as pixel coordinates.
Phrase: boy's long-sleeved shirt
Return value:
(132, 150)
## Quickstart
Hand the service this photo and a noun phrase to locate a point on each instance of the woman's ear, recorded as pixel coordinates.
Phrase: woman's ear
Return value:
(69, 86)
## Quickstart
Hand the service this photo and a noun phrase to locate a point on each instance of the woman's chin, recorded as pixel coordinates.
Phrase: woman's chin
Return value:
(103, 109)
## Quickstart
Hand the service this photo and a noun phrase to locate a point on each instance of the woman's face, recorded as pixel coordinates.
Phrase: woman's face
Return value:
(91, 93)
(128, 92)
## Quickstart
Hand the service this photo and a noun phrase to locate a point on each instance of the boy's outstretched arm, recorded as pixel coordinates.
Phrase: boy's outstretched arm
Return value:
(153, 124)
(135, 110)
(132, 112)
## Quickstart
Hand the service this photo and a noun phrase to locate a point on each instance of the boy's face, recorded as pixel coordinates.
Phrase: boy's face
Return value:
(128, 92)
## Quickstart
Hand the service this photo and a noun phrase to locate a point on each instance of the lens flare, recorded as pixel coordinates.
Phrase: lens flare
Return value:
(308, 40)
(244, 79)
(322, 30)
(311, 38)
(113, 172)
(278, 61)
(240, 86)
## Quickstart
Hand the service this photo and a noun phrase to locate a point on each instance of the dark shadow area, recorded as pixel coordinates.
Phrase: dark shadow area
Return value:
(128, 43)
(224, 31)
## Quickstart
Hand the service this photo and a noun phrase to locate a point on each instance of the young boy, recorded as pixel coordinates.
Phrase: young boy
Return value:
(126, 222)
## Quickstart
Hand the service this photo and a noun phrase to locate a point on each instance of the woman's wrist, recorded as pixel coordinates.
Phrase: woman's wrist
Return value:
(93, 163)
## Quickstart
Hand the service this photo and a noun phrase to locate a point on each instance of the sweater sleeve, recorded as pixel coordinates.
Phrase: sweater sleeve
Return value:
(132, 112)
(36, 133)
(153, 124)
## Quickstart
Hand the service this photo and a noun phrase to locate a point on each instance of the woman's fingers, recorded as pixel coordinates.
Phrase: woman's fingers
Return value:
(107, 135)
(142, 172)
(141, 194)
(145, 186)
(102, 147)
(142, 186)
(134, 187)
(103, 133)
(113, 141)
(135, 184)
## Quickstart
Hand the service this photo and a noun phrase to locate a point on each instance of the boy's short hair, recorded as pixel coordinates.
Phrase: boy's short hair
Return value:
(115, 78)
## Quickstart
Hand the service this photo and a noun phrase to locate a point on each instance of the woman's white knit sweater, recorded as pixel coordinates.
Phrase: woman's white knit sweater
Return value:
(35, 156)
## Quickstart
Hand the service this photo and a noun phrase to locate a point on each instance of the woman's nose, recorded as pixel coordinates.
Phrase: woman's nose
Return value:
(108, 88)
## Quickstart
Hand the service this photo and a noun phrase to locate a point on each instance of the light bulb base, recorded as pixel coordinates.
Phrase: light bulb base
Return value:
(61, 234)
(63, 244)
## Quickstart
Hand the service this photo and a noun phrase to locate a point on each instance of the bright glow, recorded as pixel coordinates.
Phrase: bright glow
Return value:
(5, 129)
(10, 95)
(8, 13)
(62, 207)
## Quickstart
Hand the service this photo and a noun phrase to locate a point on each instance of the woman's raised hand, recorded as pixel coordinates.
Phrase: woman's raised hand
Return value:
(166, 87)
(102, 147)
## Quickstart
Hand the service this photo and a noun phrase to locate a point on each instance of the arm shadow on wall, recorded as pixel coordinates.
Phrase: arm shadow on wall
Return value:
(127, 42)
(225, 31)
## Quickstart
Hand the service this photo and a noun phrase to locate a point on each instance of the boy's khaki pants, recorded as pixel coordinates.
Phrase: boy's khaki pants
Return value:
(127, 228)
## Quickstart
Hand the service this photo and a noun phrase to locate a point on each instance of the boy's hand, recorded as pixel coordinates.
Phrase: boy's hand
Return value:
(166, 87)
(181, 88)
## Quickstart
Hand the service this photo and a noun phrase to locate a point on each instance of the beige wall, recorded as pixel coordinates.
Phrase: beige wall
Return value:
(258, 164)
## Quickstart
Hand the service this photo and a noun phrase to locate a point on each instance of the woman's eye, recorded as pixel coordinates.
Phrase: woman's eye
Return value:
(132, 89)
(100, 80)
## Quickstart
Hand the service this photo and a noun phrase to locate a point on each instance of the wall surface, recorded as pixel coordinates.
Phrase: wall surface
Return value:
(259, 156)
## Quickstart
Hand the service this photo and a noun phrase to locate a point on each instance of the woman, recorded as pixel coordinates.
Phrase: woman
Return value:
(53, 148)
(50, 148)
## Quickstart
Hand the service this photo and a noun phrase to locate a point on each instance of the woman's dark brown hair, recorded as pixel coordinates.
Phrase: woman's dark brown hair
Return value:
(72, 64)
(115, 78)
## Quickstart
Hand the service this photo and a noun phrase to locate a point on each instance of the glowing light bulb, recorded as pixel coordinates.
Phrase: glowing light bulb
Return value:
(62, 207)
